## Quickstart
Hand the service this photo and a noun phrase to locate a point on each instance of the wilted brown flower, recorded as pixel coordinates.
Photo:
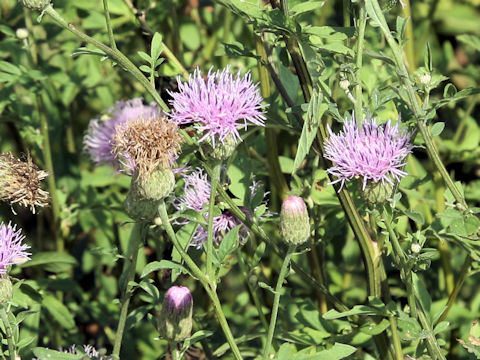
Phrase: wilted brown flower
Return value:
(20, 182)
(146, 144)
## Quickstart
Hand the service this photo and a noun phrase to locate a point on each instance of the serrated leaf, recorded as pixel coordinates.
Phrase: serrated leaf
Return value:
(437, 128)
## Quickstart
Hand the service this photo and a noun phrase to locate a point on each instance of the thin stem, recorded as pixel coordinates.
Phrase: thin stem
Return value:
(136, 238)
(397, 344)
(362, 23)
(253, 293)
(276, 300)
(174, 350)
(116, 55)
(453, 296)
(109, 25)
(207, 284)
(211, 207)
(409, 46)
(8, 332)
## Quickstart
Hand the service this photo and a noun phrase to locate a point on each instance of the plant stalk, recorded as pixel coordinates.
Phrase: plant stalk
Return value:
(136, 238)
(206, 282)
(8, 333)
(109, 25)
(211, 207)
(276, 300)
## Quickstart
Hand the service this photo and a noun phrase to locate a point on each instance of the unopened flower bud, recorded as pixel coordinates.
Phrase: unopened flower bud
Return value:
(222, 149)
(416, 248)
(38, 5)
(175, 322)
(377, 192)
(139, 208)
(425, 78)
(21, 33)
(344, 84)
(156, 185)
(294, 221)
(5, 289)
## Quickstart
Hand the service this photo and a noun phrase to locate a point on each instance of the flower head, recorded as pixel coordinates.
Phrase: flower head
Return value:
(20, 182)
(12, 251)
(148, 143)
(218, 105)
(176, 316)
(370, 151)
(196, 197)
(98, 141)
(294, 221)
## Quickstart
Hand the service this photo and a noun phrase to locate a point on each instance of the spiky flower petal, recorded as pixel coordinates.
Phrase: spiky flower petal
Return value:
(149, 143)
(98, 141)
(20, 182)
(218, 105)
(12, 250)
(372, 152)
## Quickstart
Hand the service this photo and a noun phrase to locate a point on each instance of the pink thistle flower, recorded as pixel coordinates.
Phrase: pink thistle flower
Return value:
(219, 105)
(370, 151)
(98, 141)
(12, 251)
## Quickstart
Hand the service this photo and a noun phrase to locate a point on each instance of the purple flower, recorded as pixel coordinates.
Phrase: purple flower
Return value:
(12, 251)
(219, 105)
(98, 141)
(196, 196)
(178, 298)
(370, 151)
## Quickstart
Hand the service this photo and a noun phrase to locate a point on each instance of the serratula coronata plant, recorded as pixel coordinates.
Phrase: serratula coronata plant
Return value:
(21, 181)
(371, 152)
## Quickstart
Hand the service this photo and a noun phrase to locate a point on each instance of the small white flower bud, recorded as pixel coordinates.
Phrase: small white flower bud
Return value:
(344, 84)
(425, 78)
(21, 33)
(416, 248)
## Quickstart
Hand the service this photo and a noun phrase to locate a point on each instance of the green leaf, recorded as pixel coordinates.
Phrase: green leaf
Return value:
(145, 56)
(52, 261)
(228, 244)
(257, 256)
(336, 352)
(471, 40)
(157, 46)
(428, 58)
(58, 311)
(47, 354)
(437, 128)
(356, 310)
(315, 111)
(9, 68)
(423, 293)
(329, 32)
(375, 329)
(160, 265)
(415, 215)
(266, 287)
(304, 7)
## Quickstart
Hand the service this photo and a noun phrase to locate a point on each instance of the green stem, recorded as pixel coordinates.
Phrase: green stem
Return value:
(109, 25)
(276, 300)
(8, 332)
(116, 55)
(174, 350)
(207, 284)
(397, 344)
(211, 207)
(136, 238)
(253, 293)
(362, 23)
(409, 46)
(453, 296)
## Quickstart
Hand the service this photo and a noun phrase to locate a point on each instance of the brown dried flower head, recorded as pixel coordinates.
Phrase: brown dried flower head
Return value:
(147, 143)
(20, 182)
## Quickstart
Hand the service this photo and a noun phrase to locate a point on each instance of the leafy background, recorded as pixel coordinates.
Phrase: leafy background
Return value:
(72, 297)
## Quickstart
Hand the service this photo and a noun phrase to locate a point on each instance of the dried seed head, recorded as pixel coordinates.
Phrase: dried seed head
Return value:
(20, 182)
(148, 143)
